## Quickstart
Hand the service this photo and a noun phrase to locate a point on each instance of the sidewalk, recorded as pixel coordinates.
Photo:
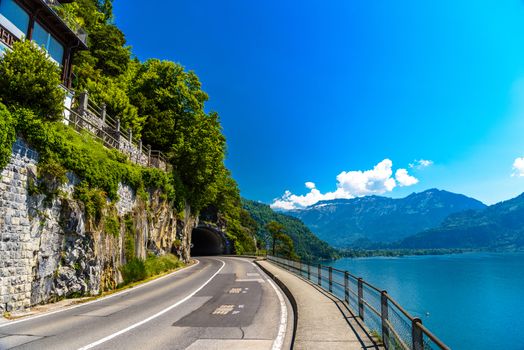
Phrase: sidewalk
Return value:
(323, 321)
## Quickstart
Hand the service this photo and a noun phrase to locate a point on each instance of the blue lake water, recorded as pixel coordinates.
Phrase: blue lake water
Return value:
(470, 301)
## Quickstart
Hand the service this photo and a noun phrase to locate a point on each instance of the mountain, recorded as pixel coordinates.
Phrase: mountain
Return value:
(307, 245)
(500, 226)
(363, 222)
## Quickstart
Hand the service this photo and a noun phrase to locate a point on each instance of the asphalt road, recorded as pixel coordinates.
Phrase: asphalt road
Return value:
(219, 303)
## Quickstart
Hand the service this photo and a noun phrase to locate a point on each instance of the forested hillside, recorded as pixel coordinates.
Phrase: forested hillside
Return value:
(307, 245)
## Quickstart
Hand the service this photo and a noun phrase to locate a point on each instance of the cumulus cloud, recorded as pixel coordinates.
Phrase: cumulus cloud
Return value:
(421, 163)
(350, 184)
(404, 179)
(518, 167)
(310, 185)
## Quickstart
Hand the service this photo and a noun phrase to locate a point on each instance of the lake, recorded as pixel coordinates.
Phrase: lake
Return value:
(470, 301)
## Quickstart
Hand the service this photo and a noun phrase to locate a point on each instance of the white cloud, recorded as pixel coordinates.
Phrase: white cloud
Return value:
(404, 179)
(350, 184)
(421, 163)
(518, 167)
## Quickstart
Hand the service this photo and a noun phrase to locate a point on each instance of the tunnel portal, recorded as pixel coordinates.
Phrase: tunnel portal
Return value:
(208, 241)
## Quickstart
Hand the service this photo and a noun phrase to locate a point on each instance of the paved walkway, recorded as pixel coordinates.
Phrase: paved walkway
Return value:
(324, 322)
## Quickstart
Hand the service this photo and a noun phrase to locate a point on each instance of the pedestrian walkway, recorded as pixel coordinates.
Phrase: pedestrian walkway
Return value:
(323, 321)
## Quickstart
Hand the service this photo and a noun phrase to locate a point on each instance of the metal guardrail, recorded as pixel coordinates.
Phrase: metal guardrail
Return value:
(384, 317)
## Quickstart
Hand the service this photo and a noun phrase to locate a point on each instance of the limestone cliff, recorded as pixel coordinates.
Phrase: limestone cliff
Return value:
(49, 249)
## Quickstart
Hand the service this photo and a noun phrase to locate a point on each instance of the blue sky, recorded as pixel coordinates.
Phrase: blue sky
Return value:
(312, 91)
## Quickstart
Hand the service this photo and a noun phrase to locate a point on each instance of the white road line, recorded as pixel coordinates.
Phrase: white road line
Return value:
(278, 343)
(160, 313)
(30, 318)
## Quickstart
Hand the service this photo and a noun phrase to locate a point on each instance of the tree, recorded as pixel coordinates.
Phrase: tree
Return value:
(276, 230)
(7, 135)
(29, 79)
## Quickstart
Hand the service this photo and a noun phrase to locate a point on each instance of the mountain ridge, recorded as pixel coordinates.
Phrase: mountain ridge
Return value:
(364, 221)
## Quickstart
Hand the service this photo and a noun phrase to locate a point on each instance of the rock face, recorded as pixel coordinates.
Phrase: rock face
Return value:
(50, 250)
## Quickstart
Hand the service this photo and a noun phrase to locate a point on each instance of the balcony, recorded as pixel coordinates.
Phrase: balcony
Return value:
(69, 20)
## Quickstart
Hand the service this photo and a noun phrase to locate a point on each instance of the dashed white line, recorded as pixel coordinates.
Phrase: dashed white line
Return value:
(160, 313)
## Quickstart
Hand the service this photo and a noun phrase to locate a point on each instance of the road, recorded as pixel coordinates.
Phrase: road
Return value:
(219, 303)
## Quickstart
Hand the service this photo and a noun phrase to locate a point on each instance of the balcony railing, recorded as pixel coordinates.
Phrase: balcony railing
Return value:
(68, 19)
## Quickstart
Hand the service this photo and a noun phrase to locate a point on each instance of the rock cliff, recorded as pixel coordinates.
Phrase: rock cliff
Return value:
(50, 249)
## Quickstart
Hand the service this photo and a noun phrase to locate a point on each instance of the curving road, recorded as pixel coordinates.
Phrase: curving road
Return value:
(219, 303)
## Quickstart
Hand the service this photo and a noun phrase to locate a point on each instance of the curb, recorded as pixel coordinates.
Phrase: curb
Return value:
(290, 297)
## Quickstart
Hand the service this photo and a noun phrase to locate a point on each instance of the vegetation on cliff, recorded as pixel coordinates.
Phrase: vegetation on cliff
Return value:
(158, 100)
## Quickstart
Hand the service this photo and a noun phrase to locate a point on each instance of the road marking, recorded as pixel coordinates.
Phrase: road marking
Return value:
(235, 290)
(99, 299)
(252, 274)
(278, 343)
(224, 309)
(236, 312)
(160, 313)
(250, 280)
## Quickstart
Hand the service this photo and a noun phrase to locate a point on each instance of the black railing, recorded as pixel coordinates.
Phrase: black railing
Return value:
(384, 317)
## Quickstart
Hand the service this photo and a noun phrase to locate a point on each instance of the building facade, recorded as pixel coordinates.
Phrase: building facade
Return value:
(43, 22)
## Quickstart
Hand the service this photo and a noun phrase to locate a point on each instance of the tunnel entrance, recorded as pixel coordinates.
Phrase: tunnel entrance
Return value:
(208, 241)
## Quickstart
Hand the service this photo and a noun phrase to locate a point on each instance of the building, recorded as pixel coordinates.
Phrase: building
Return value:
(39, 21)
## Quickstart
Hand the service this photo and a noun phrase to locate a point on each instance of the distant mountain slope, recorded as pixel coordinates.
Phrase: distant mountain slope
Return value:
(500, 226)
(307, 245)
(360, 222)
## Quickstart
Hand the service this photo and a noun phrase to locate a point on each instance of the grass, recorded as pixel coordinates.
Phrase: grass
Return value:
(138, 270)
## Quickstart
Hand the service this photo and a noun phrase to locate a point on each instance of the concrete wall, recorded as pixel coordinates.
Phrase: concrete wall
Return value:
(50, 250)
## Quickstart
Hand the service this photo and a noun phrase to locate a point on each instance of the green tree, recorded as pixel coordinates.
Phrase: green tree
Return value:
(7, 135)
(276, 231)
(29, 79)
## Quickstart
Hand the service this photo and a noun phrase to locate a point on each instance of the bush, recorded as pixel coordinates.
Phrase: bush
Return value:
(137, 269)
(7, 136)
(133, 271)
(29, 79)
(156, 265)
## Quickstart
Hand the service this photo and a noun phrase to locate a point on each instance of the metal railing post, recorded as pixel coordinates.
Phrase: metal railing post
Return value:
(139, 155)
(361, 298)
(300, 267)
(330, 279)
(148, 155)
(308, 272)
(130, 134)
(83, 102)
(319, 275)
(384, 317)
(346, 287)
(416, 334)
(103, 112)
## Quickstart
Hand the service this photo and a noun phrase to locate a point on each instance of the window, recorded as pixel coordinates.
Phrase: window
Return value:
(15, 14)
(43, 38)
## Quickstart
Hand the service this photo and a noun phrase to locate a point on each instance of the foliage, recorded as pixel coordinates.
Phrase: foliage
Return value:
(137, 269)
(281, 243)
(29, 79)
(156, 265)
(134, 270)
(100, 169)
(307, 246)
(7, 135)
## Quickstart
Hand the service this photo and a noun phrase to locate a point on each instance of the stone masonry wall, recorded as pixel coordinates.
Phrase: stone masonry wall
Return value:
(50, 250)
